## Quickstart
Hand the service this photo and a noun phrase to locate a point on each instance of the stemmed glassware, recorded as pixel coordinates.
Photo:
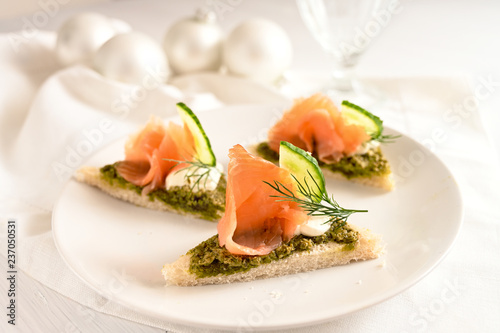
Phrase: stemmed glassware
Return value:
(344, 29)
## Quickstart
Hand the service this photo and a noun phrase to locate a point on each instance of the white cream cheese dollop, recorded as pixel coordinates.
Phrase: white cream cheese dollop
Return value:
(365, 147)
(189, 175)
(315, 226)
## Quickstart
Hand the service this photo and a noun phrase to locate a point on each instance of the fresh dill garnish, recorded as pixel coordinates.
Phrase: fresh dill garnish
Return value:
(389, 138)
(192, 172)
(313, 203)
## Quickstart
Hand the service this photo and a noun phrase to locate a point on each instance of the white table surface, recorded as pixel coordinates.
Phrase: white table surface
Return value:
(425, 38)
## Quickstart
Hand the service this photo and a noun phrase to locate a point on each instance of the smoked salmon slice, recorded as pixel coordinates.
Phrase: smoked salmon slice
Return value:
(315, 124)
(147, 154)
(254, 222)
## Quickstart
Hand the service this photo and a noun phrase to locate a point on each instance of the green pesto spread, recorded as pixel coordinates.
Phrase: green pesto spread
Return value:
(210, 259)
(370, 164)
(209, 205)
(266, 152)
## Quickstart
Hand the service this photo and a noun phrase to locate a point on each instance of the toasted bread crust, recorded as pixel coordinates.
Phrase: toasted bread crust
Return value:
(385, 182)
(92, 176)
(320, 256)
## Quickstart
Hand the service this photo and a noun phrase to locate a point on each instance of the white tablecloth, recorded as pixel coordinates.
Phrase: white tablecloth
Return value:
(462, 294)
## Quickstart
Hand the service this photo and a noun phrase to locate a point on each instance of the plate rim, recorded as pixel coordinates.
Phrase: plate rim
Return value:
(372, 301)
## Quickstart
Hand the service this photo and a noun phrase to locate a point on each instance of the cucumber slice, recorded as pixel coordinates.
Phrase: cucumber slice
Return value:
(357, 115)
(201, 141)
(304, 167)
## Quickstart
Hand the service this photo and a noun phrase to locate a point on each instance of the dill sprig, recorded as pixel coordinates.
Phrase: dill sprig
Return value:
(314, 202)
(388, 138)
(192, 171)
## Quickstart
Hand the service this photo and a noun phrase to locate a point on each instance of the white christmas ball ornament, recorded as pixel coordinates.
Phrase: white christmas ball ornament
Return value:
(81, 36)
(133, 58)
(194, 44)
(259, 49)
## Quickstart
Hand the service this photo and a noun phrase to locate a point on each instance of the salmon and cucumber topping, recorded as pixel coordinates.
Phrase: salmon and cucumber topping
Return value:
(345, 140)
(169, 167)
(279, 220)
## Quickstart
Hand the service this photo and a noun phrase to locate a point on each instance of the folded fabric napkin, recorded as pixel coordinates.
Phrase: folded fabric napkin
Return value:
(52, 119)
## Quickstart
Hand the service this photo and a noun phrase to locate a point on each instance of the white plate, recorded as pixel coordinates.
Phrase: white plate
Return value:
(119, 249)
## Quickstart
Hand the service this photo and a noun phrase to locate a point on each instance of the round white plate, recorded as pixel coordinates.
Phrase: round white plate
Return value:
(119, 249)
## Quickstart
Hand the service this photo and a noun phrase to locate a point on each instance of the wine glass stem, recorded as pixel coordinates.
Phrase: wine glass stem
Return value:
(343, 76)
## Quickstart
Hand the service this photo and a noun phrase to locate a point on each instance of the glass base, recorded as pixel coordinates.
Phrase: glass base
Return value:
(359, 93)
(364, 94)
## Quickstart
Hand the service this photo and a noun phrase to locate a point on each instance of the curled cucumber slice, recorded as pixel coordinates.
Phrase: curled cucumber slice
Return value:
(202, 143)
(303, 167)
(357, 115)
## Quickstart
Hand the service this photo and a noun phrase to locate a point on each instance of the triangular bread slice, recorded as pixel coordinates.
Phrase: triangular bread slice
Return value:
(122, 190)
(367, 246)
